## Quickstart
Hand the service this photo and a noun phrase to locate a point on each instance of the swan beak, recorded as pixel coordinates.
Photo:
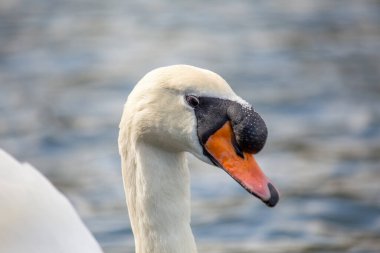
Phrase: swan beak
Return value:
(241, 166)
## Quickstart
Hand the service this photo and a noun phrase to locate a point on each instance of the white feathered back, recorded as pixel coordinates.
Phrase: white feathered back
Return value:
(35, 217)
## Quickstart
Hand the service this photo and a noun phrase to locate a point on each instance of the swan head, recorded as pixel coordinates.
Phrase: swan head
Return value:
(182, 108)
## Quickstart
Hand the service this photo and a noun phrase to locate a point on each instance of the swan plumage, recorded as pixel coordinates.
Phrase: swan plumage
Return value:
(35, 217)
(157, 128)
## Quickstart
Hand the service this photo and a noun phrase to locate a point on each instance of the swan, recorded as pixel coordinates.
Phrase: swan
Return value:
(172, 110)
(34, 216)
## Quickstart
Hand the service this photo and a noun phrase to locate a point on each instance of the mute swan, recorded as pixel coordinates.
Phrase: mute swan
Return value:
(172, 110)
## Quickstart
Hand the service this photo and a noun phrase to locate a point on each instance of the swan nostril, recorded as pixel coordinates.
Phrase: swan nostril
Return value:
(238, 150)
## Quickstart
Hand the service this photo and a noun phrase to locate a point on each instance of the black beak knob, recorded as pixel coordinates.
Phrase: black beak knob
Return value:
(249, 128)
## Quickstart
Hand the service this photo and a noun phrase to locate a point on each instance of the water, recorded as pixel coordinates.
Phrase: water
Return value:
(311, 68)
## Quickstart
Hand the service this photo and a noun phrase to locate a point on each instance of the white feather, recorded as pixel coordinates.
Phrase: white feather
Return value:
(35, 217)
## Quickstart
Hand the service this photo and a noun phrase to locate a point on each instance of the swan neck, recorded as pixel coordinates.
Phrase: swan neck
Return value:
(157, 186)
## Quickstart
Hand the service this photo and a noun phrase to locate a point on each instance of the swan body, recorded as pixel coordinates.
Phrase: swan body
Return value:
(171, 111)
(35, 217)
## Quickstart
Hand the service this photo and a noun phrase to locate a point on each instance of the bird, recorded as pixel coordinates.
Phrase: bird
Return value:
(171, 111)
(35, 216)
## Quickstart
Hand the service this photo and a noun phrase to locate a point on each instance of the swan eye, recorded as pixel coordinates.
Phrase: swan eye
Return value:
(193, 101)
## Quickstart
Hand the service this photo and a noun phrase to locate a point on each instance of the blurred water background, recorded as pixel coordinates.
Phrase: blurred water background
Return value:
(311, 68)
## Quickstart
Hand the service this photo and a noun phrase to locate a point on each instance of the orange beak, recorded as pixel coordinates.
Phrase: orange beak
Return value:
(245, 170)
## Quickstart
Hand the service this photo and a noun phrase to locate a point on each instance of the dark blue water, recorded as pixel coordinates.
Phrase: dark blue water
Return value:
(311, 68)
